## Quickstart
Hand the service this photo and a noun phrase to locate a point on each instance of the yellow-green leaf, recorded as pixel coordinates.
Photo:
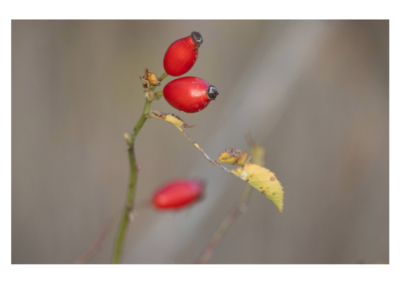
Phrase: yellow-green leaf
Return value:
(171, 118)
(263, 180)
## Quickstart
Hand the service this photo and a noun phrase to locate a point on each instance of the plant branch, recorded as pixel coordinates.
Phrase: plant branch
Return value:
(202, 151)
(140, 123)
(258, 156)
(130, 197)
(230, 218)
(97, 243)
(128, 208)
(239, 208)
(146, 110)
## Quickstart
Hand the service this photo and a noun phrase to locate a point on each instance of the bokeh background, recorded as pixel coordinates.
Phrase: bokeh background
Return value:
(315, 94)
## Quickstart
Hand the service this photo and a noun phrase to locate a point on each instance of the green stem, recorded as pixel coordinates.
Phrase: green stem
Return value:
(163, 76)
(128, 208)
(141, 121)
(130, 197)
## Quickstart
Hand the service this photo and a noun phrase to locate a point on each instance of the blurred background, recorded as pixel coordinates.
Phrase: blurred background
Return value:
(314, 94)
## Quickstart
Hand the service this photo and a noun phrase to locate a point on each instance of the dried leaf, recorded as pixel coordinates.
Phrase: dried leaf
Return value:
(171, 118)
(263, 180)
(150, 79)
(233, 157)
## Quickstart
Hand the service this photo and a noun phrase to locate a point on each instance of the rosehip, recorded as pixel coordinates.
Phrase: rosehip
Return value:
(189, 94)
(182, 54)
(177, 194)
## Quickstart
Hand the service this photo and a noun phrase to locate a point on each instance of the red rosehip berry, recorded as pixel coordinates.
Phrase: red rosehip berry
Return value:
(182, 54)
(178, 193)
(189, 94)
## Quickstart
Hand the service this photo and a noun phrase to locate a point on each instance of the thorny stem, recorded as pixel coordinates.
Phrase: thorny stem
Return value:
(128, 209)
(130, 197)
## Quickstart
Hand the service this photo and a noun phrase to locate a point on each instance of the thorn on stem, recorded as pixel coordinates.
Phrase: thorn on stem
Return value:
(128, 139)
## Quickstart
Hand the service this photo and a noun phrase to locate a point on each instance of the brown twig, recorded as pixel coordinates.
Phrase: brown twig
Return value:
(97, 243)
(202, 151)
(239, 208)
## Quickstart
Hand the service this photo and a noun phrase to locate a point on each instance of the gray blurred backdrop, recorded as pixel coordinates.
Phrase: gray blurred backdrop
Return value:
(315, 94)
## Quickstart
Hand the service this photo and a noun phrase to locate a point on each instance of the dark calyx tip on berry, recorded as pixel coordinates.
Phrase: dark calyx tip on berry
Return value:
(197, 38)
(212, 92)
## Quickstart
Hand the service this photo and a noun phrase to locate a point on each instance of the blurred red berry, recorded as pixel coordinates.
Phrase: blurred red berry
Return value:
(182, 54)
(178, 193)
(189, 94)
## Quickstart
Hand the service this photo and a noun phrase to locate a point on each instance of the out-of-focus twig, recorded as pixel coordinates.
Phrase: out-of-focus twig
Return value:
(95, 247)
(241, 206)
(97, 243)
